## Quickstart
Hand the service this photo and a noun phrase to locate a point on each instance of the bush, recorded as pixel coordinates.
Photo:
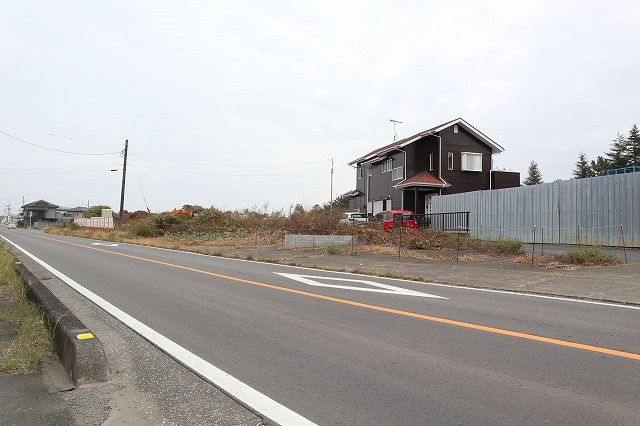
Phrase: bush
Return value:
(590, 256)
(334, 250)
(145, 229)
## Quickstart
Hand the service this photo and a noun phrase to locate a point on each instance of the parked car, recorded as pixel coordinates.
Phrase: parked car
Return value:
(353, 217)
(11, 226)
(387, 218)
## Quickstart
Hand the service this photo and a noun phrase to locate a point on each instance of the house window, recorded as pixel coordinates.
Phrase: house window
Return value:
(397, 173)
(360, 172)
(387, 165)
(471, 161)
(455, 128)
(430, 161)
(369, 171)
(450, 160)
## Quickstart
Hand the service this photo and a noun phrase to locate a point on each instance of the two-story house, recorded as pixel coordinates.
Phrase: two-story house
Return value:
(450, 158)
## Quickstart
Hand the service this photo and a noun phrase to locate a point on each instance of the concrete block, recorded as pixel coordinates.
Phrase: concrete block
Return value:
(80, 352)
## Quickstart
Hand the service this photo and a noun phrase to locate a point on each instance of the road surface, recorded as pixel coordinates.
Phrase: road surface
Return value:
(339, 348)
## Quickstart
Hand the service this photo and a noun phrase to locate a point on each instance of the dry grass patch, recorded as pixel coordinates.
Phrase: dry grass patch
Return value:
(31, 339)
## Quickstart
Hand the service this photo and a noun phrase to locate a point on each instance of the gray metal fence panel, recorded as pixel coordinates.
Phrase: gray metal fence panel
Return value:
(591, 211)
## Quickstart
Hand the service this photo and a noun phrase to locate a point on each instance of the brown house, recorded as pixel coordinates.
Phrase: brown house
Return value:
(450, 158)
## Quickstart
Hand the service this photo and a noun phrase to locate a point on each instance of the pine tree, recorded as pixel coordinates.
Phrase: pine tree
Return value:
(633, 147)
(618, 153)
(582, 168)
(600, 166)
(534, 176)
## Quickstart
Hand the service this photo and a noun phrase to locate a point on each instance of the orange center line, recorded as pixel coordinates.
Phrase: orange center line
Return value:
(468, 325)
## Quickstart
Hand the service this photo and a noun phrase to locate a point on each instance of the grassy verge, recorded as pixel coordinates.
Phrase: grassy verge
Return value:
(32, 340)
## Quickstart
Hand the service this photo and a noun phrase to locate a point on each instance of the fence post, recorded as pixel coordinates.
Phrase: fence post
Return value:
(500, 234)
(624, 245)
(399, 241)
(542, 229)
(533, 247)
(578, 235)
(458, 246)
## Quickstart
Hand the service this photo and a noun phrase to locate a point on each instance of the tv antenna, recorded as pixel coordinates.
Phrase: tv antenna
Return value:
(395, 135)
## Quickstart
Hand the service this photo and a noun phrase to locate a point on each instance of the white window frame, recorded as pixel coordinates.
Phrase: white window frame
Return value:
(450, 160)
(431, 162)
(471, 161)
(387, 165)
(455, 128)
(397, 173)
(360, 172)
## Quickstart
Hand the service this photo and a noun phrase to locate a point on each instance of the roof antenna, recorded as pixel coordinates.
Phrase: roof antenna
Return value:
(395, 135)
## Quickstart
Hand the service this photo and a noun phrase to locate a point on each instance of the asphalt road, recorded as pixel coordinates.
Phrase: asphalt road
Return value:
(318, 344)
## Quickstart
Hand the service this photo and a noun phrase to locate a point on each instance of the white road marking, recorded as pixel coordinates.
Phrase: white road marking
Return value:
(246, 395)
(106, 244)
(380, 288)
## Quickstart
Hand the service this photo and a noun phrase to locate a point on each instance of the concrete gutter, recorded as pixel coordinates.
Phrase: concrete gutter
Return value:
(80, 352)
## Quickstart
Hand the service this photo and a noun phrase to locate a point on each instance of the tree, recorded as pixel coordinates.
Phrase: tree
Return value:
(534, 176)
(582, 168)
(600, 166)
(95, 211)
(618, 153)
(633, 147)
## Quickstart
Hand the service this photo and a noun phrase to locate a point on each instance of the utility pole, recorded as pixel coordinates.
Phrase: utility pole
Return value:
(124, 176)
(331, 205)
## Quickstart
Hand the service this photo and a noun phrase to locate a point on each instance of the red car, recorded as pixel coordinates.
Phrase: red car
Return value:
(387, 218)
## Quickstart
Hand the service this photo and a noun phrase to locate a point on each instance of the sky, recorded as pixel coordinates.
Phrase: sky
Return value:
(244, 104)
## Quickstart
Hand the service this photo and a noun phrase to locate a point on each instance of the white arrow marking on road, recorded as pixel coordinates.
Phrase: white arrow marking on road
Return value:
(106, 244)
(381, 288)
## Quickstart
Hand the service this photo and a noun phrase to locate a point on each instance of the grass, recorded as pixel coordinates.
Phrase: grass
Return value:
(33, 340)
(591, 256)
(334, 250)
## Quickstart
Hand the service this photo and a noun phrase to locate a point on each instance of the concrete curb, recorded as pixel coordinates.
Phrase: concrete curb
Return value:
(81, 353)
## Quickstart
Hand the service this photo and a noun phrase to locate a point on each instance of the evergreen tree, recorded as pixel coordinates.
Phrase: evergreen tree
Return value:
(534, 176)
(600, 166)
(618, 153)
(633, 147)
(582, 168)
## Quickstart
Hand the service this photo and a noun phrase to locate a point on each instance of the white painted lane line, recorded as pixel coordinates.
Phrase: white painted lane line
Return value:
(106, 244)
(380, 288)
(246, 395)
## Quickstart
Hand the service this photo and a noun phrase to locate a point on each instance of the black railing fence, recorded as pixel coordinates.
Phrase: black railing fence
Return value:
(450, 222)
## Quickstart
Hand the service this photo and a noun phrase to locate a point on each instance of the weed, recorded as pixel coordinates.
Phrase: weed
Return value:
(334, 250)
(145, 229)
(590, 256)
(33, 339)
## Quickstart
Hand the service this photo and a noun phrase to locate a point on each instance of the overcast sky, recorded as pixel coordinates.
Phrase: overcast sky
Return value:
(244, 103)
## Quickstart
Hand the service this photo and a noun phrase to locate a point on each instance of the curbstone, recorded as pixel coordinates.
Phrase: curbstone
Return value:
(80, 352)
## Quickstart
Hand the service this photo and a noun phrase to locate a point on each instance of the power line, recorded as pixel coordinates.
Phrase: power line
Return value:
(227, 174)
(53, 172)
(57, 150)
(54, 135)
(231, 165)
(45, 169)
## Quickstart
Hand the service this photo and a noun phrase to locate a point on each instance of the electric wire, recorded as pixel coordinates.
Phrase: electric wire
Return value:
(230, 165)
(140, 183)
(57, 150)
(227, 174)
(44, 132)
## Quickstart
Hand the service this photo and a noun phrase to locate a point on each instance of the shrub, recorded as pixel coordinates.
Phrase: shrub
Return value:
(145, 229)
(334, 250)
(590, 256)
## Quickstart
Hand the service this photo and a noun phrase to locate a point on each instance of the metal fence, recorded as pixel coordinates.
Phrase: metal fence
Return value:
(602, 210)
(448, 222)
